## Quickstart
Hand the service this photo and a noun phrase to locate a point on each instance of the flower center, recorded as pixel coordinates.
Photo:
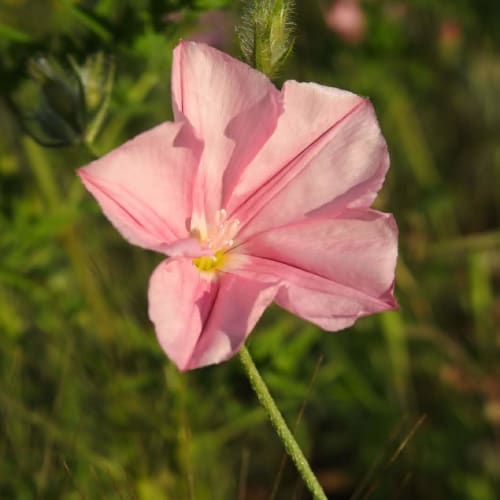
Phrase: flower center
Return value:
(219, 238)
(211, 262)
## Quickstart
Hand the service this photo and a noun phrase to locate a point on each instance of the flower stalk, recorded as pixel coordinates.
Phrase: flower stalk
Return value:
(281, 427)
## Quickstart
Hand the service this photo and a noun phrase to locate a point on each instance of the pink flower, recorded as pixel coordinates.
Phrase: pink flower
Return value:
(256, 195)
(214, 27)
(347, 19)
(450, 33)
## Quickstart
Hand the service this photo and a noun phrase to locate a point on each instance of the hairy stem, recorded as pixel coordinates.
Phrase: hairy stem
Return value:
(284, 433)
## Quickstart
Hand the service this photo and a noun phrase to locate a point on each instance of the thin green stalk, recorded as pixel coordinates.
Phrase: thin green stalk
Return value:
(89, 146)
(274, 491)
(284, 433)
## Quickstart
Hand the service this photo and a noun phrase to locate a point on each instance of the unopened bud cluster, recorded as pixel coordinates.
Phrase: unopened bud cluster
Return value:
(63, 104)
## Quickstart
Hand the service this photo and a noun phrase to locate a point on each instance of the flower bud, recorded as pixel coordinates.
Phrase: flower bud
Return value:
(61, 105)
(265, 34)
(50, 103)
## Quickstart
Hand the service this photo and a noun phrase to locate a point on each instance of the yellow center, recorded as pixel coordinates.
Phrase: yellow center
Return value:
(210, 263)
(217, 237)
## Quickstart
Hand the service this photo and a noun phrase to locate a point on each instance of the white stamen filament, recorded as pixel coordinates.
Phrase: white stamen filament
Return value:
(221, 233)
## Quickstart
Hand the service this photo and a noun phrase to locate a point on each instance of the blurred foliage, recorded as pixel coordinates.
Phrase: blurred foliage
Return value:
(405, 405)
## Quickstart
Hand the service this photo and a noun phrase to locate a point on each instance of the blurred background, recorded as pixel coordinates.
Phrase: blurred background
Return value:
(405, 405)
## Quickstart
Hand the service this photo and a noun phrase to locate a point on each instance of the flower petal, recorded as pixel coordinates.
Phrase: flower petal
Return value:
(145, 186)
(180, 301)
(231, 106)
(202, 318)
(327, 153)
(334, 269)
(186, 247)
(239, 305)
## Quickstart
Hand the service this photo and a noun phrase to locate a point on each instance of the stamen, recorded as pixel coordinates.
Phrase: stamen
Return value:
(221, 234)
(219, 238)
(220, 217)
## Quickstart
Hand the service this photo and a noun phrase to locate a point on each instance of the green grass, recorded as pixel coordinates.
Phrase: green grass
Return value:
(403, 405)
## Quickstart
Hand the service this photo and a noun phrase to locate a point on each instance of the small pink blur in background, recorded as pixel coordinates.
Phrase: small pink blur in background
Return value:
(347, 19)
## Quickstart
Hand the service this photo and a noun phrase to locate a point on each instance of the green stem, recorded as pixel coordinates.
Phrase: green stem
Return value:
(284, 433)
(88, 145)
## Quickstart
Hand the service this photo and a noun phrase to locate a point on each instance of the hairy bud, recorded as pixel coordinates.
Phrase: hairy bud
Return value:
(266, 34)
